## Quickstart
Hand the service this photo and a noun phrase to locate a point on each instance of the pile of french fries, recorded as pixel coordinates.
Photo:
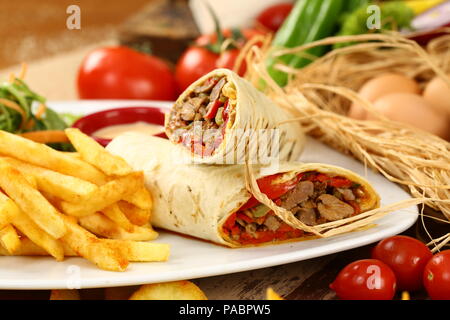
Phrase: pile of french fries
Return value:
(87, 203)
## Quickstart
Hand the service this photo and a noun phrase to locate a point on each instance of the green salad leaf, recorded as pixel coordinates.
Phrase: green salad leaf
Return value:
(18, 112)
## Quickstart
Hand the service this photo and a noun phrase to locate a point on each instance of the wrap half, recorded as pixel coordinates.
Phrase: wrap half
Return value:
(212, 202)
(221, 117)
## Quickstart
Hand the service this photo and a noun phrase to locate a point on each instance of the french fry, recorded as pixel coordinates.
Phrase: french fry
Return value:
(3, 207)
(26, 226)
(31, 180)
(136, 251)
(9, 239)
(141, 198)
(100, 225)
(178, 290)
(96, 155)
(46, 136)
(106, 195)
(26, 248)
(135, 214)
(29, 248)
(65, 294)
(68, 188)
(92, 248)
(114, 213)
(132, 251)
(41, 155)
(31, 201)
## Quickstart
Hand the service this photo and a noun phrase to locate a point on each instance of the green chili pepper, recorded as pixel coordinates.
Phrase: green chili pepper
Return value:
(260, 211)
(219, 116)
(309, 20)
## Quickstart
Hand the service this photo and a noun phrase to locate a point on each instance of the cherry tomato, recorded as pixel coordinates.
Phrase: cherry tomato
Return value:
(228, 59)
(123, 73)
(198, 60)
(194, 63)
(407, 257)
(367, 279)
(436, 276)
(273, 17)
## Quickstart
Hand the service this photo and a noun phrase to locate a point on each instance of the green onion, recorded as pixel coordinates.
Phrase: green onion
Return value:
(260, 211)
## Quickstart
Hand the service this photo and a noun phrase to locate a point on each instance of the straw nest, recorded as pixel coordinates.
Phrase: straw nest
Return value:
(319, 96)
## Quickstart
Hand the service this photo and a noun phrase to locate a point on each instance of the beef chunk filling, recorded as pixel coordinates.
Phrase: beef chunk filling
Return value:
(199, 121)
(316, 198)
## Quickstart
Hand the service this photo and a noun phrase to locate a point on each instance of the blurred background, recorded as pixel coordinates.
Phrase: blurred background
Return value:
(35, 32)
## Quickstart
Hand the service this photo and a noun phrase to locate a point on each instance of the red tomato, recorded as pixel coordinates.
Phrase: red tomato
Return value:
(194, 63)
(273, 17)
(123, 73)
(436, 276)
(272, 191)
(407, 257)
(368, 279)
(198, 60)
(228, 59)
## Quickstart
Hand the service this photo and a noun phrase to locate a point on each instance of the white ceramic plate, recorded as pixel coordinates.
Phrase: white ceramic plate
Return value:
(193, 258)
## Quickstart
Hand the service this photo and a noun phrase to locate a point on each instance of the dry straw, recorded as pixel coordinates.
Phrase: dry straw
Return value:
(319, 96)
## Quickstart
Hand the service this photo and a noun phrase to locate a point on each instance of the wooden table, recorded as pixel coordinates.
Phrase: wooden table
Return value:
(303, 280)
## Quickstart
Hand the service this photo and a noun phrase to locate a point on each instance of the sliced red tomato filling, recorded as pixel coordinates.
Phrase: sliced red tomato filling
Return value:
(313, 197)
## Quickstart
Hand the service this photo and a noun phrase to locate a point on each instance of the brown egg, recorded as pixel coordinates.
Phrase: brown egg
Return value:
(437, 93)
(380, 86)
(414, 110)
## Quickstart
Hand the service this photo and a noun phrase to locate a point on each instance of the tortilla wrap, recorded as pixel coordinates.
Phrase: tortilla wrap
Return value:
(195, 199)
(251, 116)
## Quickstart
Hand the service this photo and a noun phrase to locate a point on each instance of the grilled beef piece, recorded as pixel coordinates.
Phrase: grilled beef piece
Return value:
(300, 193)
(332, 209)
(217, 90)
(272, 223)
(307, 216)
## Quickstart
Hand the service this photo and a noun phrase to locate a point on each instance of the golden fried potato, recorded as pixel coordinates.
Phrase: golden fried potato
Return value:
(93, 153)
(9, 239)
(101, 226)
(68, 188)
(114, 213)
(42, 155)
(141, 198)
(26, 248)
(178, 290)
(92, 248)
(135, 214)
(26, 226)
(136, 251)
(105, 196)
(31, 201)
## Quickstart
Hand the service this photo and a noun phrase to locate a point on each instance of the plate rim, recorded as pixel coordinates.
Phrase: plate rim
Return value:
(204, 271)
